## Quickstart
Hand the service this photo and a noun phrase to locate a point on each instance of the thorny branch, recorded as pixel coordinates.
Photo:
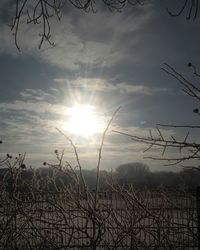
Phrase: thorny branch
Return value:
(191, 149)
(40, 213)
(40, 12)
(99, 156)
(100, 151)
(188, 87)
(77, 158)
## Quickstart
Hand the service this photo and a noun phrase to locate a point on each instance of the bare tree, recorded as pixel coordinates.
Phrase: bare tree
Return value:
(191, 148)
(40, 13)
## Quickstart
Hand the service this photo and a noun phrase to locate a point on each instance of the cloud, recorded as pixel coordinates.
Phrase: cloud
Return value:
(33, 117)
(81, 39)
(89, 42)
(29, 126)
(36, 107)
(36, 95)
(102, 85)
(112, 65)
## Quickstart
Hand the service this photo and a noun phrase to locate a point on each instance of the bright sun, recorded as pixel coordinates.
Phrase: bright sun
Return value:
(83, 121)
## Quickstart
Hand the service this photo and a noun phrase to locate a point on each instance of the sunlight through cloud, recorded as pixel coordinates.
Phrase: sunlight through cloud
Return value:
(83, 121)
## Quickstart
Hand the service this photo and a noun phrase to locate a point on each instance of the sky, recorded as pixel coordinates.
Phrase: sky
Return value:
(105, 60)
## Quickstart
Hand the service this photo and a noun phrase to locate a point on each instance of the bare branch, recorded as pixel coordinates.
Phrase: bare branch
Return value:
(191, 7)
(77, 157)
(192, 148)
(40, 12)
(178, 126)
(100, 151)
(189, 88)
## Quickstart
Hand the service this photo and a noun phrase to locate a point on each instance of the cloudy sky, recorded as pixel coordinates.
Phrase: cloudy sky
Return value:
(104, 60)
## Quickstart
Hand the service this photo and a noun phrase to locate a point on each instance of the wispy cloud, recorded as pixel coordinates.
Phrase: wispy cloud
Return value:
(36, 95)
(78, 43)
(102, 85)
(28, 127)
(36, 107)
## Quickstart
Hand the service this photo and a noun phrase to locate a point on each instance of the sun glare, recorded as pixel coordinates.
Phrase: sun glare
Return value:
(83, 121)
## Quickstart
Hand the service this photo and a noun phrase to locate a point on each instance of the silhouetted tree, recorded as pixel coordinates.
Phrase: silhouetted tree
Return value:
(134, 172)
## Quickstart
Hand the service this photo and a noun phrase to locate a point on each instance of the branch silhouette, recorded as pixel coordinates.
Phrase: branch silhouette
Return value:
(191, 148)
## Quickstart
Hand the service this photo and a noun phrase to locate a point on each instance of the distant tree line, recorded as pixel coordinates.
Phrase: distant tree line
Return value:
(140, 176)
(136, 174)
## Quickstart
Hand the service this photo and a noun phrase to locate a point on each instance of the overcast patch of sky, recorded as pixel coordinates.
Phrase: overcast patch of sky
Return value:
(125, 55)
